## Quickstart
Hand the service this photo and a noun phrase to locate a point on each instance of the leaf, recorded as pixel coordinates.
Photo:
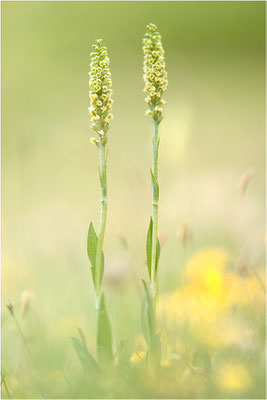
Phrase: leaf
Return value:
(87, 360)
(104, 335)
(147, 316)
(91, 244)
(91, 250)
(155, 187)
(149, 248)
(122, 354)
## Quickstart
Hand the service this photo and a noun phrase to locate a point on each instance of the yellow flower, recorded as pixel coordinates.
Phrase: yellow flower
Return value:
(155, 75)
(165, 363)
(137, 357)
(206, 268)
(233, 377)
(100, 90)
(245, 290)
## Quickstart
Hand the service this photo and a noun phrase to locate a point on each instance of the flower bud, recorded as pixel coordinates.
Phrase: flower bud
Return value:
(155, 75)
(26, 298)
(100, 91)
(10, 307)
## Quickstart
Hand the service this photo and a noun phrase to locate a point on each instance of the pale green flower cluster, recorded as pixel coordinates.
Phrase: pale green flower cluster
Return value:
(100, 92)
(155, 75)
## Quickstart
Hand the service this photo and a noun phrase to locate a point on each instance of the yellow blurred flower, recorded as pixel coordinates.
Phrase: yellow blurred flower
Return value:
(245, 290)
(205, 299)
(206, 270)
(137, 357)
(165, 363)
(234, 377)
(202, 295)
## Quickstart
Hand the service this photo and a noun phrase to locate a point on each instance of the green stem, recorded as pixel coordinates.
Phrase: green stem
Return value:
(103, 218)
(152, 355)
(24, 341)
(4, 381)
(155, 146)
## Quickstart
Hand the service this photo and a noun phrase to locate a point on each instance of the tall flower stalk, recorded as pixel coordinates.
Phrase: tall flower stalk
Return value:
(155, 77)
(100, 110)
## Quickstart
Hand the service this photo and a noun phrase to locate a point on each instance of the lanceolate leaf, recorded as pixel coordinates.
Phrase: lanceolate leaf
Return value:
(104, 336)
(157, 254)
(87, 360)
(149, 248)
(147, 316)
(122, 354)
(91, 250)
(91, 244)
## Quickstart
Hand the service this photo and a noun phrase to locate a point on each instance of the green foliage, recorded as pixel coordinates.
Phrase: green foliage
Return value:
(87, 360)
(122, 355)
(147, 315)
(104, 335)
(91, 251)
(149, 248)
(149, 328)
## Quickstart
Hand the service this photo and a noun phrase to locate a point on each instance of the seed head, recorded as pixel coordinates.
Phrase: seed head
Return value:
(155, 75)
(244, 181)
(26, 298)
(10, 307)
(100, 91)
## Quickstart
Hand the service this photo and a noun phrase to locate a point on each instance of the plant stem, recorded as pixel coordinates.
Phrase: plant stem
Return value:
(24, 340)
(4, 381)
(103, 218)
(155, 146)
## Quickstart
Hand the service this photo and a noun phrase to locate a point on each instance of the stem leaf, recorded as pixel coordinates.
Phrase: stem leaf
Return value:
(87, 360)
(91, 245)
(104, 335)
(147, 316)
(91, 251)
(149, 248)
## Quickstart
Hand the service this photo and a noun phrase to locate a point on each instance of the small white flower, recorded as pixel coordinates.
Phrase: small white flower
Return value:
(100, 91)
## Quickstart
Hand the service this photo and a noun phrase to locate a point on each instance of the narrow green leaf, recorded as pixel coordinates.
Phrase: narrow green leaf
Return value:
(91, 250)
(149, 246)
(157, 253)
(155, 187)
(87, 360)
(147, 316)
(122, 354)
(104, 335)
(91, 244)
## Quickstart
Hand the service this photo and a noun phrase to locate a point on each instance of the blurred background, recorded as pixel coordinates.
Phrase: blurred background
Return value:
(212, 133)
